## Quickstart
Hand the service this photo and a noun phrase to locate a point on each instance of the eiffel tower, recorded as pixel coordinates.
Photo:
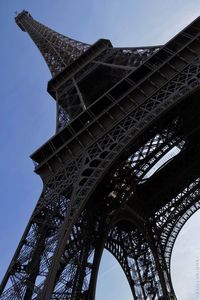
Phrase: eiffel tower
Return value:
(121, 173)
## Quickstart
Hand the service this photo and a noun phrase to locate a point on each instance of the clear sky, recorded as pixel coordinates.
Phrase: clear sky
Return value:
(27, 114)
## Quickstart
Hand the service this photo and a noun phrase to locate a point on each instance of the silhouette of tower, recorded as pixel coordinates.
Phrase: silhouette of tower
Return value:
(122, 171)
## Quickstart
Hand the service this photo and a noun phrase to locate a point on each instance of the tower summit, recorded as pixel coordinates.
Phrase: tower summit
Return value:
(58, 50)
(113, 176)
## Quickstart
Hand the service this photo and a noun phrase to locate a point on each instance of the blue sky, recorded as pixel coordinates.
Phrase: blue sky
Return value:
(27, 114)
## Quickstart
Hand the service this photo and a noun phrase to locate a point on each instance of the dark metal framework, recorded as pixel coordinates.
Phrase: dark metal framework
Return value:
(122, 171)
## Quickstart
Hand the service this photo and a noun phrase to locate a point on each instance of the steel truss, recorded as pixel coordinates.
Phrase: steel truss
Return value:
(127, 121)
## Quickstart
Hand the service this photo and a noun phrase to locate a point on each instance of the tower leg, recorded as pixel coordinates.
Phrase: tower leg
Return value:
(160, 263)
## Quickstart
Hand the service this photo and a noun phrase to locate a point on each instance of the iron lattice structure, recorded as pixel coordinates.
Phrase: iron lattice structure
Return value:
(122, 171)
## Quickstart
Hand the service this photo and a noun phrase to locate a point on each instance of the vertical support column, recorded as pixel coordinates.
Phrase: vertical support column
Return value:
(160, 263)
(34, 265)
(80, 273)
(100, 243)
